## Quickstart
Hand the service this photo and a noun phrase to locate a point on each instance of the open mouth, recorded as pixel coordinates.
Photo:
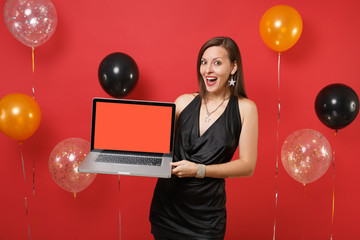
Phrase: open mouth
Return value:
(211, 80)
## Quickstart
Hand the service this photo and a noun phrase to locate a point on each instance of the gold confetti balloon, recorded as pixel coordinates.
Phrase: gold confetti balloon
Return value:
(306, 155)
(64, 161)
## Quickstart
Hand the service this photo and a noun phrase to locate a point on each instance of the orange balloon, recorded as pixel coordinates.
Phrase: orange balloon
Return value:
(20, 116)
(280, 27)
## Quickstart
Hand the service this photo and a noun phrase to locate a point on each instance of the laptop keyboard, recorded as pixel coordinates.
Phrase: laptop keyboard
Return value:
(135, 160)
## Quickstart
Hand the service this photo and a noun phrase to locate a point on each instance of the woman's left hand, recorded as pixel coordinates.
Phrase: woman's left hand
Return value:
(184, 168)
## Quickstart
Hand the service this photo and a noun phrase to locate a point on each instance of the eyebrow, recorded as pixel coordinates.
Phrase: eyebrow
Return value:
(212, 59)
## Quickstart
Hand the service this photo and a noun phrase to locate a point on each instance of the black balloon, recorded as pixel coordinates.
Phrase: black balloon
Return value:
(336, 105)
(118, 74)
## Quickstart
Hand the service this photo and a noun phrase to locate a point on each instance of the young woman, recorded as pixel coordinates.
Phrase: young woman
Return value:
(211, 124)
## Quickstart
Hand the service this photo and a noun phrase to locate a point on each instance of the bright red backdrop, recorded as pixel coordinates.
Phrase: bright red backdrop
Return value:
(164, 37)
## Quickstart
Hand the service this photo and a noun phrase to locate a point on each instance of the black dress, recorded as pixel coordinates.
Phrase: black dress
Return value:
(192, 208)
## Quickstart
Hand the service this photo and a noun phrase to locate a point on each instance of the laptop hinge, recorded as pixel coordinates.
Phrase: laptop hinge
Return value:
(133, 153)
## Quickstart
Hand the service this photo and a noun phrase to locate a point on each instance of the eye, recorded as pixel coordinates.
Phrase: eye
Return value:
(203, 62)
(217, 63)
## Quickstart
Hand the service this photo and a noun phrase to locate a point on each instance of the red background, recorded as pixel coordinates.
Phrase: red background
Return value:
(164, 37)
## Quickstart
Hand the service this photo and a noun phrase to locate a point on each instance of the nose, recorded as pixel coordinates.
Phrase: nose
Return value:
(208, 68)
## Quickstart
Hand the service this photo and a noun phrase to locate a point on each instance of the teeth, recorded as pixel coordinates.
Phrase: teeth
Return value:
(211, 78)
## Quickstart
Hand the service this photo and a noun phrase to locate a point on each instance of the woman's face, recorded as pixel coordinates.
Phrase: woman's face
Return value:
(215, 69)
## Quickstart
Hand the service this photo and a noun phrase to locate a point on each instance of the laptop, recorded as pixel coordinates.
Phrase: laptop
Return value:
(131, 137)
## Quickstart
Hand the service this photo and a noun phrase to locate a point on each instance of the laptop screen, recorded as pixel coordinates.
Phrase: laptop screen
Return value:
(135, 126)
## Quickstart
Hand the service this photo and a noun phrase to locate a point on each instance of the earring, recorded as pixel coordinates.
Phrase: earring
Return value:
(232, 82)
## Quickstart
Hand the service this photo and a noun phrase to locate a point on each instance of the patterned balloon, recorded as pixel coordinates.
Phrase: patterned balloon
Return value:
(64, 161)
(32, 22)
(306, 155)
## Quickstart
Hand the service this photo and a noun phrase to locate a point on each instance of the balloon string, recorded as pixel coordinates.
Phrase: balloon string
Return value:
(119, 184)
(119, 211)
(25, 198)
(22, 163)
(277, 152)
(33, 184)
(26, 207)
(33, 70)
(33, 171)
(33, 92)
(304, 211)
(29, 232)
(75, 227)
(333, 195)
(276, 197)
(119, 224)
(33, 177)
(279, 87)
(33, 58)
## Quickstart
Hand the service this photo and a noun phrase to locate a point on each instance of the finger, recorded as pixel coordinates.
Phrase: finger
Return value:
(177, 163)
(176, 172)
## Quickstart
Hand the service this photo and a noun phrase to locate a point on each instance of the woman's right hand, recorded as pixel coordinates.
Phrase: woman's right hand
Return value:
(184, 168)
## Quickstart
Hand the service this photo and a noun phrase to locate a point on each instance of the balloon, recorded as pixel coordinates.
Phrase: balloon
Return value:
(280, 27)
(32, 22)
(336, 105)
(306, 155)
(64, 161)
(118, 74)
(20, 116)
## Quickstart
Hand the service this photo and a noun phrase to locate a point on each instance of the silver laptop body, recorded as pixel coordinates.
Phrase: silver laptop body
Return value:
(130, 137)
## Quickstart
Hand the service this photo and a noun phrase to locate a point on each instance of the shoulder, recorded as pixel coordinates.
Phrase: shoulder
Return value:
(247, 103)
(183, 100)
(248, 109)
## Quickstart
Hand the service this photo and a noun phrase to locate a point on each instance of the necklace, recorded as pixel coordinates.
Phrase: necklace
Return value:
(207, 118)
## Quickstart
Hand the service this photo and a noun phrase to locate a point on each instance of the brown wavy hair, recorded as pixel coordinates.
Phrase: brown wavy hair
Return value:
(234, 56)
